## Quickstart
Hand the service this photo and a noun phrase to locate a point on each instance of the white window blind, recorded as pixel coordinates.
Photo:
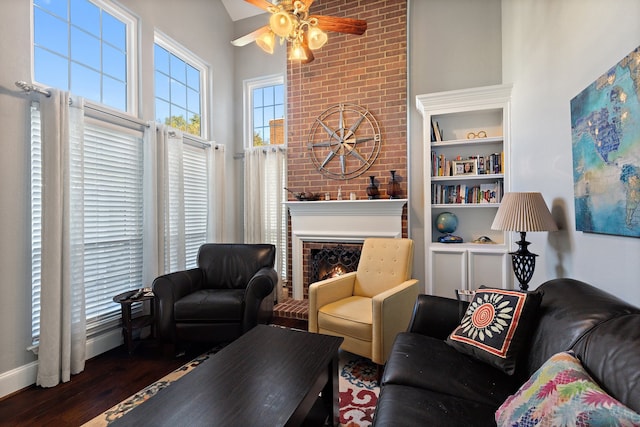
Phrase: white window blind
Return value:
(36, 223)
(113, 218)
(195, 200)
(113, 166)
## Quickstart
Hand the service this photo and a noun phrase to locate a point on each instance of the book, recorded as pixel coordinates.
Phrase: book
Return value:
(437, 133)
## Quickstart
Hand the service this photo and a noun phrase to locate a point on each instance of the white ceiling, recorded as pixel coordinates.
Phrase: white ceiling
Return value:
(240, 9)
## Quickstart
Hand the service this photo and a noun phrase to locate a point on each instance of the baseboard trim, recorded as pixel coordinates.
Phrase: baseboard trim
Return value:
(25, 375)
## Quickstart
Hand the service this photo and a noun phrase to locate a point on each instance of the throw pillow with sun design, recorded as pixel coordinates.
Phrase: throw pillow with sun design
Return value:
(496, 326)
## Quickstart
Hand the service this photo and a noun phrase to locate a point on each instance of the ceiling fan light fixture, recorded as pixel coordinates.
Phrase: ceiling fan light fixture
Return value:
(297, 52)
(281, 23)
(291, 21)
(267, 41)
(316, 38)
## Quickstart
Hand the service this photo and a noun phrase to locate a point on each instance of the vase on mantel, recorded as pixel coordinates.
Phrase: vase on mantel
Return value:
(372, 189)
(394, 190)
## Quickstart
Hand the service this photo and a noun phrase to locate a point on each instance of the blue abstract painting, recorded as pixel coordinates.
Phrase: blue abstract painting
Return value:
(605, 132)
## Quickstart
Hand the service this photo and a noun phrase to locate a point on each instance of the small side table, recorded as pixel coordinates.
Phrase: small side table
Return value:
(130, 324)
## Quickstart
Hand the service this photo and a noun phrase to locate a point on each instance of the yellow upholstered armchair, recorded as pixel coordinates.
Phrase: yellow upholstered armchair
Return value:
(370, 306)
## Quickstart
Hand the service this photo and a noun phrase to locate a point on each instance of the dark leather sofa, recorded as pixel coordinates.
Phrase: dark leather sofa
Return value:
(230, 292)
(427, 382)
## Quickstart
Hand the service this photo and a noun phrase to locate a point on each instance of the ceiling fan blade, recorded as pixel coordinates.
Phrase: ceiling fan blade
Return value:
(341, 25)
(262, 4)
(251, 37)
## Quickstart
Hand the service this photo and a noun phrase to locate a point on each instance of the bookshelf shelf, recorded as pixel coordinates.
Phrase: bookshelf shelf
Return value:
(467, 142)
(462, 127)
(465, 206)
(485, 177)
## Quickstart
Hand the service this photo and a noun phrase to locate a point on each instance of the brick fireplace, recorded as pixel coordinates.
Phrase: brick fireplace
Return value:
(322, 260)
(369, 71)
(327, 224)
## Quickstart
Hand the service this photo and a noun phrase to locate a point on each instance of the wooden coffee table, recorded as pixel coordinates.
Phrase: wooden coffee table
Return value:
(270, 376)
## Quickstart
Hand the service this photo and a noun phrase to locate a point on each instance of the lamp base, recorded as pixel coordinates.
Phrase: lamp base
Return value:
(524, 262)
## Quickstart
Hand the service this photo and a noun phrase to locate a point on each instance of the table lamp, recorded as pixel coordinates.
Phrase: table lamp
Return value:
(523, 212)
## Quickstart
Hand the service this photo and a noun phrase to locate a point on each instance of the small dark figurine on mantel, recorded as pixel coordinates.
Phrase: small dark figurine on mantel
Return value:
(372, 189)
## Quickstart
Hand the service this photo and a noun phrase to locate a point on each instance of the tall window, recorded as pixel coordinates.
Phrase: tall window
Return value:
(85, 47)
(179, 79)
(266, 175)
(267, 113)
(113, 169)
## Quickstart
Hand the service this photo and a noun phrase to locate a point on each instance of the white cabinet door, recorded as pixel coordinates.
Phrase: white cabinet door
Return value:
(455, 266)
(448, 271)
(490, 269)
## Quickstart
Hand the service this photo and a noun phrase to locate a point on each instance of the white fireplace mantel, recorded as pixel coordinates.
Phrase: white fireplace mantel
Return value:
(339, 221)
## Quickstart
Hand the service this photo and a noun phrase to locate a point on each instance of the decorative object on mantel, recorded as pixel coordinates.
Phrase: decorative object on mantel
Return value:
(606, 151)
(523, 212)
(372, 189)
(290, 20)
(447, 223)
(344, 141)
(394, 190)
(305, 197)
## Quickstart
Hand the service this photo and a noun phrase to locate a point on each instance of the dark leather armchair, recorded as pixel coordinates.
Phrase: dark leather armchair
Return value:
(230, 292)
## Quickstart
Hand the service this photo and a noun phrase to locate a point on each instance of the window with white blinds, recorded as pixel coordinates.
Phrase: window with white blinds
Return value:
(113, 170)
(195, 200)
(36, 223)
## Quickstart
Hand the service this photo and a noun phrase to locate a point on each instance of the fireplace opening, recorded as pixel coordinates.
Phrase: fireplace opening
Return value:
(328, 262)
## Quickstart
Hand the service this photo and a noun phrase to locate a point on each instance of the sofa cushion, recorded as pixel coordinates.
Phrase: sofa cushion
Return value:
(401, 405)
(561, 392)
(561, 324)
(351, 317)
(611, 355)
(210, 305)
(429, 363)
(496, 326)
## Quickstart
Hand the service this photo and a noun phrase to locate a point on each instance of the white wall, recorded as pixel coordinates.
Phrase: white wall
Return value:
(15, 310)
(552, 50)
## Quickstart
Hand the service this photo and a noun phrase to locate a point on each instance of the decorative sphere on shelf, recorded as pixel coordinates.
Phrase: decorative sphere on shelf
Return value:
(447, 223)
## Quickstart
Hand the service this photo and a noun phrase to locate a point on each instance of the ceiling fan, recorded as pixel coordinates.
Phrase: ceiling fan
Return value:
(290, 20)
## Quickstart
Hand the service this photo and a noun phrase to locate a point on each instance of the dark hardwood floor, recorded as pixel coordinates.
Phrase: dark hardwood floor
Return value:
(106, 380)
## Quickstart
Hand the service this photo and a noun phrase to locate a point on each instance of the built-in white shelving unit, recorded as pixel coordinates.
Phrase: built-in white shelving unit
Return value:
(469, 126)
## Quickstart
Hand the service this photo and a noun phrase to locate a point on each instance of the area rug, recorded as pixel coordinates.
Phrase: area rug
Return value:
(358, 391)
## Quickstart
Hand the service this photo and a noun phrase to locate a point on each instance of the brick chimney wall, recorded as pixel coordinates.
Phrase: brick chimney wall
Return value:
(369, 71)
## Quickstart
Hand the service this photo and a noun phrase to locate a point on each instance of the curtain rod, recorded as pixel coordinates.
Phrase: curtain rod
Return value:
(88, 105)
(32, 88)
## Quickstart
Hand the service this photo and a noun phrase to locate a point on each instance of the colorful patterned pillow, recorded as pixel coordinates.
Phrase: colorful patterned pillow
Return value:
(561, 393)
(496, 326)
